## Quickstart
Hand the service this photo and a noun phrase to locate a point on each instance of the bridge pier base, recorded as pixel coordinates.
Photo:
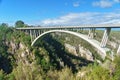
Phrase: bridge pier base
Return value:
(105, 37)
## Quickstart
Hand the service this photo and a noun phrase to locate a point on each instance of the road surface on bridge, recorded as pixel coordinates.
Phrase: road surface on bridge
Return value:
(79, 26)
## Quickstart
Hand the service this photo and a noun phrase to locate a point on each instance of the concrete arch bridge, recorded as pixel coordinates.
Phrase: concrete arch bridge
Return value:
(37, 32)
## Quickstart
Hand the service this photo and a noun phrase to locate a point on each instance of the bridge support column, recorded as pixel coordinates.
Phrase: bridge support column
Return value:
(118, 51)
(81, 29)
(105, 37)
(35, 34)
(91, 33)
(39, 32)
(25, 31)
(31, 35)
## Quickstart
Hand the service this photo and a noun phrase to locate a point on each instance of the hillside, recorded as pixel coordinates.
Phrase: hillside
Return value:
(56, 56)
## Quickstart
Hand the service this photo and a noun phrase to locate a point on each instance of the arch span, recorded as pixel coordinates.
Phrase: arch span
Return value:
(94, 43)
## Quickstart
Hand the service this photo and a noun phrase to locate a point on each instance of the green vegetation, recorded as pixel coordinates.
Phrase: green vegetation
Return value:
(20, 24)
(48, 59)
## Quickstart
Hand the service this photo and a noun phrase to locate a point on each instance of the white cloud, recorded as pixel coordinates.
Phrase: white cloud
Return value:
(84, 18)
(76, 4)
(103, 3)
(117, 1)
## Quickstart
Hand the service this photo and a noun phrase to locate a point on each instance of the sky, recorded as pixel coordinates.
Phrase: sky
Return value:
(60, 12)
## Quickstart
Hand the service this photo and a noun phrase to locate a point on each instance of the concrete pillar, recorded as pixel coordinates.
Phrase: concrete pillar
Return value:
(91, 33)
(35, 34)
(31, 35)
(77, 30)
(26, 31)
(105, 37)
(42, 31)
(39, 32)
(71, 29)
(118, 51)
(81, 29)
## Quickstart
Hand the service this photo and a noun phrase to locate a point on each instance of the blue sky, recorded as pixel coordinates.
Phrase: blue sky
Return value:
(60, 12)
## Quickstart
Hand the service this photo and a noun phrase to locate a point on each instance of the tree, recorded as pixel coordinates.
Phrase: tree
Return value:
(99, 73)
(2, 75)
(4, 25)
(117, 68)
(19, 24)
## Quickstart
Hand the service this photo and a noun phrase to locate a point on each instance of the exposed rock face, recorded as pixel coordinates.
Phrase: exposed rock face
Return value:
(81, 74)
(85, 53)
(80, 51)
(12, 46)
(20, 51)
(113, 44)
(21, 46)
(15, 46)
(71, 49)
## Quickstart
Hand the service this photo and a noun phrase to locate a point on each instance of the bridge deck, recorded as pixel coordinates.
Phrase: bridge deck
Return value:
(71, 27)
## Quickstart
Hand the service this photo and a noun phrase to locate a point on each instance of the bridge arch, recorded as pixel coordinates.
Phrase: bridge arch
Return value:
(82, 36)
